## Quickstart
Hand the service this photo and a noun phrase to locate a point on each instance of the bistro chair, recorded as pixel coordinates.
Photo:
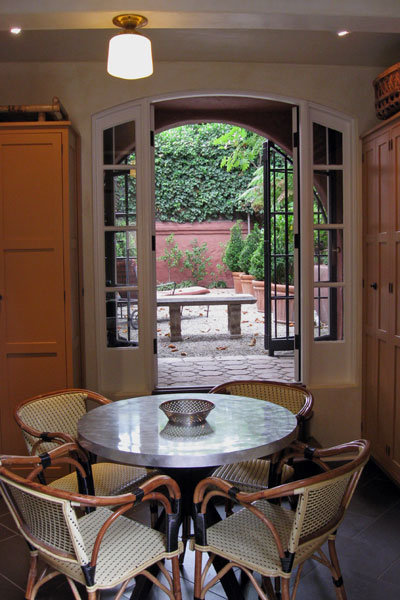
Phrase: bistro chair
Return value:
(257, 474)
(52, 419)
(99, 549)
(273, 537)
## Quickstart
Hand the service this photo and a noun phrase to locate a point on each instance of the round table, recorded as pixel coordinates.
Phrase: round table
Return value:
(136, 431)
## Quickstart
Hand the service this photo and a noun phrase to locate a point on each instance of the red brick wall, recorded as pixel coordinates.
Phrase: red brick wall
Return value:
(213, 233)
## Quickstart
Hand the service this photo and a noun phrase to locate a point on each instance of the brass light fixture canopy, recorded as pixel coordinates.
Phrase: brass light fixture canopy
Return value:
(129, 52)
(130, 21)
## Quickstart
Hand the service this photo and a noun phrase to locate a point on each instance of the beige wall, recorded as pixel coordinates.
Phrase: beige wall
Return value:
(85, 88)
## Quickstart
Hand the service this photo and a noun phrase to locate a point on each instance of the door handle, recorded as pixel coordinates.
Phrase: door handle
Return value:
(374, 286)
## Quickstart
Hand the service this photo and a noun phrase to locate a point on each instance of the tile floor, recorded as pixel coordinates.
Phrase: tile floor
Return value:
(368, 546)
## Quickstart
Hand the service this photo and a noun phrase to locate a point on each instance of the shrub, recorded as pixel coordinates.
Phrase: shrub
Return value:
(249, 247)
(257, 261)
(196, 261)
(172, 254)
(234, 248)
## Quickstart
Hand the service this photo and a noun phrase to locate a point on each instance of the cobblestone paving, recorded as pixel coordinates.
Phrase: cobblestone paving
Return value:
(203, 371)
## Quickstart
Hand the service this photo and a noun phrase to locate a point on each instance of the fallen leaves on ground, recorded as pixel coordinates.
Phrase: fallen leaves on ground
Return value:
(172, 346)
(252, 342)
(174, 349)
(222, 347)
(183, 353)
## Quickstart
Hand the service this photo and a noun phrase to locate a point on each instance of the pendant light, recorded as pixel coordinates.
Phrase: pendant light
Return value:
(129, 52)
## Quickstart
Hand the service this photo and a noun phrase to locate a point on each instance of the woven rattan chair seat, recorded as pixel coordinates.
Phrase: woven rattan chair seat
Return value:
(109, 479)
(242, 538)
(128, 547)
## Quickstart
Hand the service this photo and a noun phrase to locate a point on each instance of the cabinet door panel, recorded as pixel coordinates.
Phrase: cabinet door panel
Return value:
(384, 422)
(32, 312)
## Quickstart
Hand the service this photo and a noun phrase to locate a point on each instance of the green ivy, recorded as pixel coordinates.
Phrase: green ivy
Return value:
(189, 182)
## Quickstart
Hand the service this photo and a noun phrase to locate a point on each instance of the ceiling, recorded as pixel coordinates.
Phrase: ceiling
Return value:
(273, 31)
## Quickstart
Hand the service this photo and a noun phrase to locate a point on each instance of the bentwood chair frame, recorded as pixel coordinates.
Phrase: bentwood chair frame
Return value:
(99, 549)
(257, 474)
(51, 419)
(272, 537)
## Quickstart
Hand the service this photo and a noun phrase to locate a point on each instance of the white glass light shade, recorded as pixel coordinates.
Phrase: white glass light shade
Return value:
(129, 56)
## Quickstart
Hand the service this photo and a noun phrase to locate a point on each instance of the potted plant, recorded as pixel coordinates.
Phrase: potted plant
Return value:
(231, 255)
(249, 247)
(257, 270)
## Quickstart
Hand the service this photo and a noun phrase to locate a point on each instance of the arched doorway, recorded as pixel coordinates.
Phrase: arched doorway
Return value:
(132, 370)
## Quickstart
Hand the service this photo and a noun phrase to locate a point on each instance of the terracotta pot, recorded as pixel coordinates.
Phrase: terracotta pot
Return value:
(237, 284)
(280, 290)
(247, 285)
(258, 292)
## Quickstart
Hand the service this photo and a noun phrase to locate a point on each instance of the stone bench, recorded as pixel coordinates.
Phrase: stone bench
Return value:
(176, 302)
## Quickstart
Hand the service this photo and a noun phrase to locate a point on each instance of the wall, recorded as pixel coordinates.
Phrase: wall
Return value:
(214, 233)
(85, 88)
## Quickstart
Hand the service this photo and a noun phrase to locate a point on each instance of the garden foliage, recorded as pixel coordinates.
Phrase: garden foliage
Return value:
(190, 184)
(250, 244)
(257, 260)
(234, 248)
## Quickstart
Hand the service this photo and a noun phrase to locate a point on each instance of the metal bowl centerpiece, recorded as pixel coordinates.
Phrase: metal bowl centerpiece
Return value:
(187, 412)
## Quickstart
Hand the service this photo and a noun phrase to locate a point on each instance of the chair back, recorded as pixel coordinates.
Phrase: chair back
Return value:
(324, 498)
(49, 523)
(51, 413)
(294, 397)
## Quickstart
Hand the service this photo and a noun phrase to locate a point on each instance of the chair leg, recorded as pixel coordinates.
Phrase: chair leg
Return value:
(197, 574)
(176, 578)
(285, 589)
(32, 574)
(337, 578)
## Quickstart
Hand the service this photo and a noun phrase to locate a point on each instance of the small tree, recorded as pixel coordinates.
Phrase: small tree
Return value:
(234, 248)
(172, 254)
(196, 261)
(257, 261)
(250, 245)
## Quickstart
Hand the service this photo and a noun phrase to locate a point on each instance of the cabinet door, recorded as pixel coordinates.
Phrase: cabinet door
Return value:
(378, 349)
(396, 301)
(32, 320)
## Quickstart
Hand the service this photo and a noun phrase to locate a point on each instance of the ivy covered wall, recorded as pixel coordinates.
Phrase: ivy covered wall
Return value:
(190, 183)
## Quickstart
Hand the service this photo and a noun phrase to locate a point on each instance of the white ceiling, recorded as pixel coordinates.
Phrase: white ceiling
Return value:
(277, 31)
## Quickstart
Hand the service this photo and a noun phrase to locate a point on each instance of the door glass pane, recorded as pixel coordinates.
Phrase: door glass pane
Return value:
(328, 313)
(335, 147)
(328, 197)
(122, 319)
(120, 198)
(319, 144)
(327, 146)
(119, 144)
(328, 255)
(120, 258)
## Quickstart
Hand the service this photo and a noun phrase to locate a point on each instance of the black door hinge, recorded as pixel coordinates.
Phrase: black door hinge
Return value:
(153, 243)
(297, 341)
(152, 139)
(297, 241)
(295, 139)
(155, 346)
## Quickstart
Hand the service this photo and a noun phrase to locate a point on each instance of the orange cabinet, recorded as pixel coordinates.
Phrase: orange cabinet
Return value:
(381, 306)
(39, 267)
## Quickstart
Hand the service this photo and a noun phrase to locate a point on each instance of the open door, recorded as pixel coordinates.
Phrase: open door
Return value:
(279, 249)
(281, 226)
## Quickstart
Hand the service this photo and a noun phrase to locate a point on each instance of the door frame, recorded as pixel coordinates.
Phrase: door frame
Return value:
(325, 377)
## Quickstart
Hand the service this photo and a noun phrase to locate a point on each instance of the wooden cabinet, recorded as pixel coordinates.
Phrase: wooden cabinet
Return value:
(381, 305)
(39, 267)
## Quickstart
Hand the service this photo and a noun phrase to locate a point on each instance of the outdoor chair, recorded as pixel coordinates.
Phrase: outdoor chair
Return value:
(257, 474)
(97, 548)
(273, 537)
(50, 420)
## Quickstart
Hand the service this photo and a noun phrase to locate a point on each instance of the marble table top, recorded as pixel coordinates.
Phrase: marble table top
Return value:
(136, 431)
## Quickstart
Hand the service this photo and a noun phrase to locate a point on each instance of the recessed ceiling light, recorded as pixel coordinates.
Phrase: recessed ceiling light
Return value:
(343, 33)
(15, 30)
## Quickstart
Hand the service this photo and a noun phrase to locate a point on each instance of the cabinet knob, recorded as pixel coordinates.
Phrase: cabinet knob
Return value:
(374, 286)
